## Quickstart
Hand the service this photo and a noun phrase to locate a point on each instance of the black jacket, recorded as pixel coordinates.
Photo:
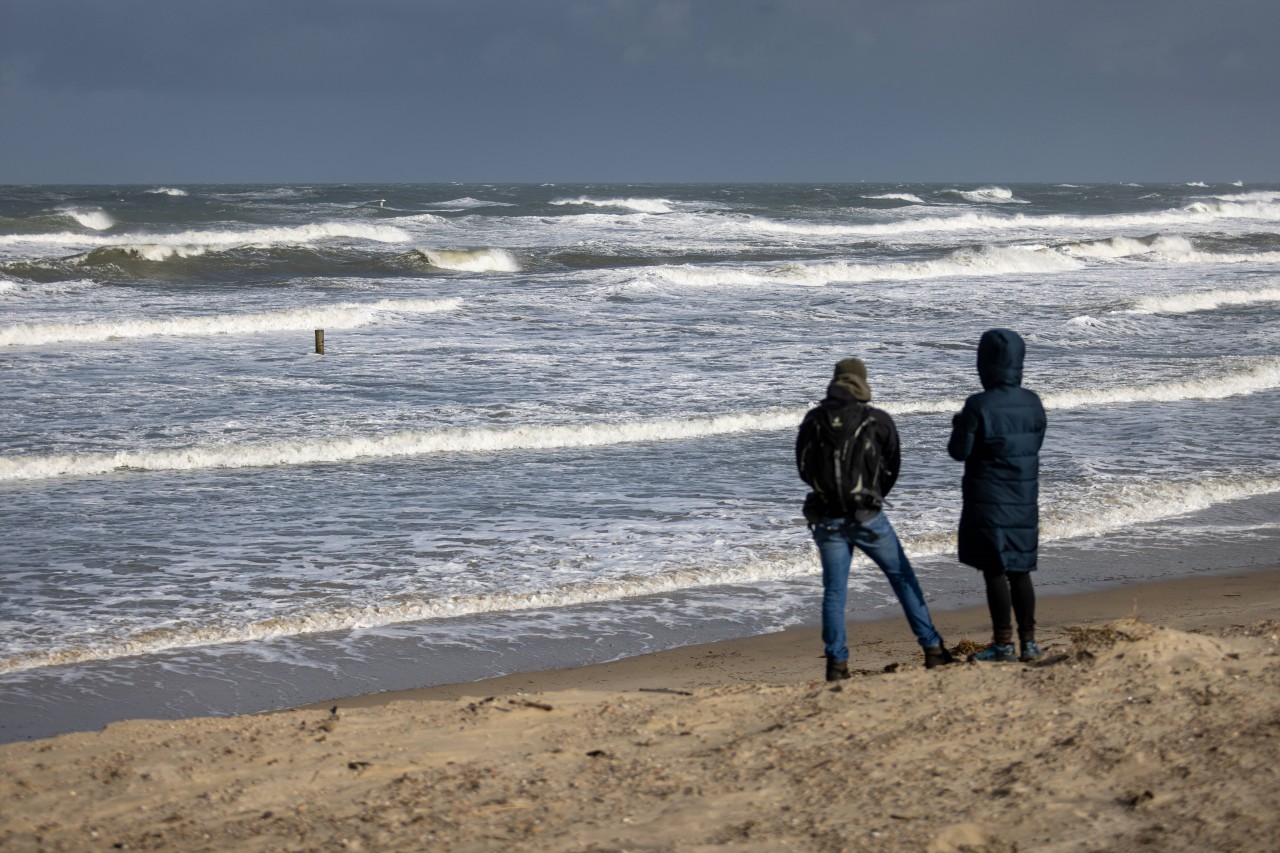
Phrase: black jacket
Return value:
(884, 433)
(998, 436)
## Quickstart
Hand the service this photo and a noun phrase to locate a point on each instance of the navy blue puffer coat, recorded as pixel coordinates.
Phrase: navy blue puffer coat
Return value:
(998, 436)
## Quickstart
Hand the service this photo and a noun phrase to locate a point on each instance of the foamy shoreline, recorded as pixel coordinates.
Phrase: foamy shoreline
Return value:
(1155, 731)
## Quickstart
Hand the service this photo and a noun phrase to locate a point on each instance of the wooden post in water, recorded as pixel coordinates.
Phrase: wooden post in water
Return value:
(319, 341)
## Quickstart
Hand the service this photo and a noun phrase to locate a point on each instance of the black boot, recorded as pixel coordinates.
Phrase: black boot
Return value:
(837, 670)
(937, 656)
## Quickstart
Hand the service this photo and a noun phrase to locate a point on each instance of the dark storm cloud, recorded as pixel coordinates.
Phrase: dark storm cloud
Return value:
(643, 89)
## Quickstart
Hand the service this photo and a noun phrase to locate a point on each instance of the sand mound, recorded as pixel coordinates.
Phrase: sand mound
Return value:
(1129, 735)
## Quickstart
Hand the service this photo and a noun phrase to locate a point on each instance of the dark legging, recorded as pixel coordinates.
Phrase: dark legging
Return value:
(1011, 594)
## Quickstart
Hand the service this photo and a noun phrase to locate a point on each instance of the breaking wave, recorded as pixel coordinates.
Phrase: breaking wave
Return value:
(1207, 301)
(1117, 507)
(1260, 376)
(284, 235)
(985, 261)
(986, 195)
(468, 203)
(346, 315)
(94, 218)
(640, 205)
(1123, 505)
(907, 197)
(173, 191)
(471, 260)
(1196, 213)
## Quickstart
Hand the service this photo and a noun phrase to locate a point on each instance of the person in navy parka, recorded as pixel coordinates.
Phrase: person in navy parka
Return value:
(998, 436)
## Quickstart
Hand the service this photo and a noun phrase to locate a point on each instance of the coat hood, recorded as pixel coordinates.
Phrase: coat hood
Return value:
(1000, 354)
(850, 376)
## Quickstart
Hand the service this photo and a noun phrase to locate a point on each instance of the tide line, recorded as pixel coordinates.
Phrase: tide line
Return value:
(1115, 507)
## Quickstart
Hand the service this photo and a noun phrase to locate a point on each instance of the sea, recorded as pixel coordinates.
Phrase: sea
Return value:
(554, 424)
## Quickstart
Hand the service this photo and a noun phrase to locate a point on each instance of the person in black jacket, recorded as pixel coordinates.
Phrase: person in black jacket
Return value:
(998, 436)
(848, 452)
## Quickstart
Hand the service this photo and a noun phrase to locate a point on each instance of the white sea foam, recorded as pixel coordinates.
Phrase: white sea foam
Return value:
(914, 199)
(212, 239)
(148, 252)
(1164, 248)
(985, 261)
(392, 613)
(1185, 303)
(345, 315)
(404, 443)
(23, 288)
(1197, 184)
(472, 260)
(1196, 213)
(469, 203)
(94, 217)
(1123, 505)
(640, 205)
(1262, 375)
(987, 195)
(1117, 506)
(173, 191)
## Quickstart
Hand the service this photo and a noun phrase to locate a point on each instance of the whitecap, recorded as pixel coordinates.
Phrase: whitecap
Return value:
(1185, 303)
(92, 217)
(640, 205)
(985, 261)
(908, 197)
(472, 260)
(170, 191)
(987, 195)
(346, 315)
(1262, 375)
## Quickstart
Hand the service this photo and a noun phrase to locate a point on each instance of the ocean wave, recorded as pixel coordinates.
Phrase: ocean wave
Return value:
(1263, 196)
(94, 218)
(986, 195)
(1196, 213)
(141, 251)
(640, 205)
(984, 261)
(1185, 303)
(1165, 248)
(363, 616)
(172, 191)
(1262, 375)
(1115, 506)
(282, 235)
(471, 260)
(346, 315)
(1119, 506)
(908, 197)
(468, 203)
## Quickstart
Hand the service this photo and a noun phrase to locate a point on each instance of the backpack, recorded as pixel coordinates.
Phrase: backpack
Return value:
(842, 461)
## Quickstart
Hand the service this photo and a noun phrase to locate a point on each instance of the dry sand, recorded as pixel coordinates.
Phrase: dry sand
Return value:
(1160, 732)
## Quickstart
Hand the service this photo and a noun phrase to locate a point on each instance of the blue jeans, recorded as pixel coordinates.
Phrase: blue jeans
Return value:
(836, 538)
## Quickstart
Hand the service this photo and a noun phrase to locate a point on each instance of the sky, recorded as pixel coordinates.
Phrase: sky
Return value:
(426, 91)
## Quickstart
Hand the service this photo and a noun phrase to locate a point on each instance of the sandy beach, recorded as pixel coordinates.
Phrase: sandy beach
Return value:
(1152, 723)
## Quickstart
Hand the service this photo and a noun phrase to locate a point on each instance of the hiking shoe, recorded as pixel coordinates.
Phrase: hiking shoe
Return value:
(996, 653)
(837, 670)
(937, 656)
(1030, 651)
